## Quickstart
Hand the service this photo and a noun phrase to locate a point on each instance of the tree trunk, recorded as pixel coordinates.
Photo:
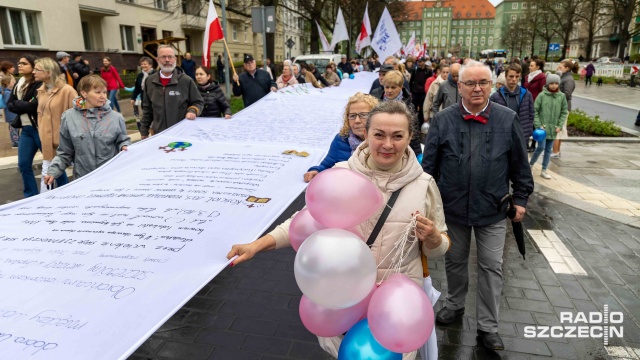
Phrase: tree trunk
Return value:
(315, 39)
(546, 52)
(565, 40)
(533, 44)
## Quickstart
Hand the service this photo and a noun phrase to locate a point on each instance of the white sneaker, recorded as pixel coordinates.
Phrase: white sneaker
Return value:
(545, 175)
(555, 155)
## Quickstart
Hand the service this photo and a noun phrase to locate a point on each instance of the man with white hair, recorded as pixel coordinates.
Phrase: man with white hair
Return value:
(169, 96)
(474, 149)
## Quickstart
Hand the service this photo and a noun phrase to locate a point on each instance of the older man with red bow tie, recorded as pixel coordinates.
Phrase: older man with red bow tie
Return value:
(473, 150)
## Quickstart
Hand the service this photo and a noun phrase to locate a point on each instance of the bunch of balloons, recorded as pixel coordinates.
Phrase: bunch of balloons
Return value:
(337, 273)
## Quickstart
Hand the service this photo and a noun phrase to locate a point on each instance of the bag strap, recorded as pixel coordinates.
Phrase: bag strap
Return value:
(383, 217)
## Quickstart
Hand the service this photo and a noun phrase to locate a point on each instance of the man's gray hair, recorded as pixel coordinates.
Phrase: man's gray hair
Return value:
(164, 46)
(472, 64)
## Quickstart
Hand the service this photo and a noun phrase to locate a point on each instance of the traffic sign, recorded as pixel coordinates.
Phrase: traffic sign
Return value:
(290, 43)
(554, 47)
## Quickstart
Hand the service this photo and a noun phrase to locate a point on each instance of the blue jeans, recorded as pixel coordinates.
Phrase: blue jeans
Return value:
(547, 146)
(28, 146)
(114, 100)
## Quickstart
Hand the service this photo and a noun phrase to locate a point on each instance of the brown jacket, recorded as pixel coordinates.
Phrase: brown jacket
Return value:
(50, 108)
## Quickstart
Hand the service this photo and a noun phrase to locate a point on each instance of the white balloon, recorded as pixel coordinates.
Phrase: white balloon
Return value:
(335, 268)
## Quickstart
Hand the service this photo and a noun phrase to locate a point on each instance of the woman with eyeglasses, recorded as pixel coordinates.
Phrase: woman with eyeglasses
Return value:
(24, 102)
(55, 96)
(351, 134)
(111, 76)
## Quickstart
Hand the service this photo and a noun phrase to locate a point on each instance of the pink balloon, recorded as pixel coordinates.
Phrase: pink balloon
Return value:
(342, 198)
(331, 322)
(400, 315)
(303, 225)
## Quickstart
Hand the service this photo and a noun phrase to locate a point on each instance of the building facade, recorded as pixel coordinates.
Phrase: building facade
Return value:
(458, 27)
(118, 29)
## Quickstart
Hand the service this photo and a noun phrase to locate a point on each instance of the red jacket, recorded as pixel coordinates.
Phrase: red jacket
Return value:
(536, 85)
(112, 78)
(430, 81)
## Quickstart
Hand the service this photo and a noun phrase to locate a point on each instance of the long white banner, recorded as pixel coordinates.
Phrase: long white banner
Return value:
(92, 269)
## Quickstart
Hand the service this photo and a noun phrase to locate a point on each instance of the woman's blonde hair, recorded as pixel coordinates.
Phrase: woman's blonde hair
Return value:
(393, 77)
(358, 97)
(90, 82)
(52, 67)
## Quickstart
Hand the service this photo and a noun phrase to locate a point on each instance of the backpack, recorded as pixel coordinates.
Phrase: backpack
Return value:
(2, 103)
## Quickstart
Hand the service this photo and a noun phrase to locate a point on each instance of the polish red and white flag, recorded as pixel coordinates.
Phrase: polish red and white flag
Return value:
(212, 32)
(364, 39)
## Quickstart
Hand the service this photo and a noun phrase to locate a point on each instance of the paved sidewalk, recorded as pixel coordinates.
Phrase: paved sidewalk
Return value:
(612, 94)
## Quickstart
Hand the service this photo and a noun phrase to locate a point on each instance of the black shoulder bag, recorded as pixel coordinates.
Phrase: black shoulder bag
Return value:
(383, 217)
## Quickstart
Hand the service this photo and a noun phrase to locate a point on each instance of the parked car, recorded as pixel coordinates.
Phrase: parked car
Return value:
(319, 60)
(609, 60)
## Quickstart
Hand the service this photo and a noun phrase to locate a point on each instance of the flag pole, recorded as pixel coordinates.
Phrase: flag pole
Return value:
(230, 60)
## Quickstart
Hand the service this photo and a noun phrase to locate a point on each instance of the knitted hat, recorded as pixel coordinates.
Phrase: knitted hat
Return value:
(553, 78)
(501, 80)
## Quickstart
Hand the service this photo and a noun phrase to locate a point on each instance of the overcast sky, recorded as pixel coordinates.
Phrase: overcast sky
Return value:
(495, 2)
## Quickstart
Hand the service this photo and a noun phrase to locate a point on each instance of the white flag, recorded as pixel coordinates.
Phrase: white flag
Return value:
(323, 39)
(386, 40)
(364, 39)
(339, 31)
(408, 49)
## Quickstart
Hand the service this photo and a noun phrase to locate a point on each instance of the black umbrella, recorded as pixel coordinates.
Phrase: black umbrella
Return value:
(518, 231)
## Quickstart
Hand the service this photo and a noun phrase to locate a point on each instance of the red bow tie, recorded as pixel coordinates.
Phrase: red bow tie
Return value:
(478, 118)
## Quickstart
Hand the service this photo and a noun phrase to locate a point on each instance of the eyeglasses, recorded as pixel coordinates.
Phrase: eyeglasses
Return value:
(23, 63)
(167, 57)
(353, 116)
(472, 84)
(37, 70)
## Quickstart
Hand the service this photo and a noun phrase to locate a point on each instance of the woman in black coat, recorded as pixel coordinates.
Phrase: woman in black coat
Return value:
(23, 101)
(215, 103)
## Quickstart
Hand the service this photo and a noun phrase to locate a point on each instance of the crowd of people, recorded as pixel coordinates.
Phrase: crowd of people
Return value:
(474, 158)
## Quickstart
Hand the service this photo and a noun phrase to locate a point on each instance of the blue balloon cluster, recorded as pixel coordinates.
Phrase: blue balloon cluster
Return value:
(351, 76)
(539, 134)
(359, 344)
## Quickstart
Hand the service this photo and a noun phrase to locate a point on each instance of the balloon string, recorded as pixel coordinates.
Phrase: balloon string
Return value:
(400, 251)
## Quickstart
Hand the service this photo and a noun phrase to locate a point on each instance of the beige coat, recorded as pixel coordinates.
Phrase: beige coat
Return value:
(428, 100)
(50, 108)
(419, 193)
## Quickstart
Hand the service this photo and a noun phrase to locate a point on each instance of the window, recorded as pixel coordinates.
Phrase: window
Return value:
(514, 18)
(455, 22)
(435, 31)
(418, 32)
(490, 41)
(19, 27)
(467, 41)
(404, 40)
(469, 22)
(484, 31)
(443, 31)
(410, 23)
(443, 41)
(484, 22)
(491, 22)
(245, 30)
(167, 34)
(477, 22)
(437, 14)
(436, 23)
(491, 31)
(161, 4)
(404, 33)
(86, 35)
(475, 31)
(468, 31)
(524, 6)
(126, 37)
(475, 41)
(453, 32)
(435, 41)
(427, 31)
(428, 22)
(234, 32)
(482, 41)
(453, 41)
(428, 14)
(514, 6)
(543, 47)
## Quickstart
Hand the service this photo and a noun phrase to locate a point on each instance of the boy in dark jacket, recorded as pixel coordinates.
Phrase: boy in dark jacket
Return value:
(517, 99)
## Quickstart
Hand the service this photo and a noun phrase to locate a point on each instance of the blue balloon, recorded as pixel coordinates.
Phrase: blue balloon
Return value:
(351, 76)
(359, 344)
(539, 134)
(420, 158)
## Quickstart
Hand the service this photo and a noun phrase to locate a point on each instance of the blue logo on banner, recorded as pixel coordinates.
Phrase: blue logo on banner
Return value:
(554, 47)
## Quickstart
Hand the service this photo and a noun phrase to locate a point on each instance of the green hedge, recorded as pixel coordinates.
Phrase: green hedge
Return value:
(593, 125)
